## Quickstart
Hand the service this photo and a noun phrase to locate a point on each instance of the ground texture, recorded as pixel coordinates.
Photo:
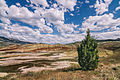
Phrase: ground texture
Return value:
(56, 62)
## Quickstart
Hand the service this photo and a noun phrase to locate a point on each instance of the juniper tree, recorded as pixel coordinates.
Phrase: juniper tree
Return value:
(88, 53)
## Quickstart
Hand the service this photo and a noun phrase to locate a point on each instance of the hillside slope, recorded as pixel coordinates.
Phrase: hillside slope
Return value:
(9, 41)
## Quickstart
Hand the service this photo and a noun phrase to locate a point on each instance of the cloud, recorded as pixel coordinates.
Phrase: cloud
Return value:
(16, 31)
(43, 21)
(5, 20)
(101, 6)
(3, 8)
(118, 8)
(25, 33)
(67, 3)
(107, 35)
(19, 12)
(72, 14)
(24, 15)
(18, 4)
(65, 28)
(39, 2)
(41, 18)
(97, 23)
(87, 1)
(53, 15)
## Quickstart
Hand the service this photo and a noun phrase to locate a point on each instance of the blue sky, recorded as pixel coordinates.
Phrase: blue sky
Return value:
(59, 21)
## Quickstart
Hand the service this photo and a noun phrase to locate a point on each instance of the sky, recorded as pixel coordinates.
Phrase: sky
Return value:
(59, 21)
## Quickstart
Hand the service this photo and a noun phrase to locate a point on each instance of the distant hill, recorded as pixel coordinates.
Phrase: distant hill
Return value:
(106, 40)
(10, 41)
(118, 39)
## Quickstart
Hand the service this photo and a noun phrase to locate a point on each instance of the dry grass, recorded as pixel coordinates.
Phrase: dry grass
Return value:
(71, 73)
(108, 69)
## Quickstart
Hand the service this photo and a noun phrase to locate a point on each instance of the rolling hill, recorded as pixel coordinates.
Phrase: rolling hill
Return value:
(10, 41)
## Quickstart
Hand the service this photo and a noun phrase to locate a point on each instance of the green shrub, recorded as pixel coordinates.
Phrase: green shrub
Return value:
(88, 53)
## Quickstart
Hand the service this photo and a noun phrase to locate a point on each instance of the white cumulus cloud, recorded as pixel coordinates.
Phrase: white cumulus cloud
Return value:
(97, 23)
(39, 2)
(67, 3)
(101, 6)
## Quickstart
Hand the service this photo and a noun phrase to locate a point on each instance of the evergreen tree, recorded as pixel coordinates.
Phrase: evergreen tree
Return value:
(88, 53)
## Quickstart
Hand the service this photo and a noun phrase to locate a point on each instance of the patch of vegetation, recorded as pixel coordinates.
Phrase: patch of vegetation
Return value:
(55, 75)
(113, 59)
(88, 53)
(118, 66)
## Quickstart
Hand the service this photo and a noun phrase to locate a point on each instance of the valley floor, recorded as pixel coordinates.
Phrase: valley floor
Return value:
(58, 64)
